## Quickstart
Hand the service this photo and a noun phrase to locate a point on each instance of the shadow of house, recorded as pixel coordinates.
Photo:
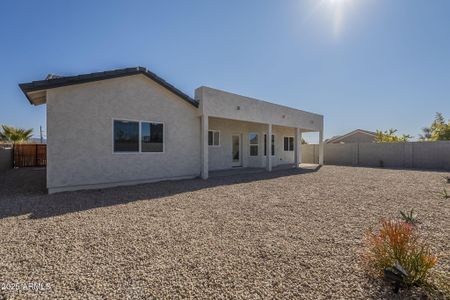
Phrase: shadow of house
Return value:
(23, 192)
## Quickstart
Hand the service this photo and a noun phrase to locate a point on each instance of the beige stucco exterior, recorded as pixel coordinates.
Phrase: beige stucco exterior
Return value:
(231, 113)
(217, 103)
(220, 157)
(79, 134)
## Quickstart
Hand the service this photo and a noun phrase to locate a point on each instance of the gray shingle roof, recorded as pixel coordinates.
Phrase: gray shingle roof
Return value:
(338, 137)
(59, 81)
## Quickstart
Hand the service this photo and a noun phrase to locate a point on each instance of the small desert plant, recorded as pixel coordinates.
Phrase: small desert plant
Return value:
(397, 244)
(445, 194)
(409, 217)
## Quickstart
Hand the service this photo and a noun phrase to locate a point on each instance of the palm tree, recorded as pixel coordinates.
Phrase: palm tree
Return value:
(9, 134)
(390, 136)
(427, 133)
(438, 131)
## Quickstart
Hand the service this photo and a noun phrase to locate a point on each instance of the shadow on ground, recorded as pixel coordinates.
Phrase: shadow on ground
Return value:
(23, 191)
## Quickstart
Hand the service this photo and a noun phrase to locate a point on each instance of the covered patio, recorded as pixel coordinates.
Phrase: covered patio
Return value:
(235, 133)
(249, 170)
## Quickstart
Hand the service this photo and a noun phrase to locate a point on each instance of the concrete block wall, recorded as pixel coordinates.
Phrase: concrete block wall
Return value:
(342, 154)
(310, 153)
(417, 155)
(431, 155)
(392, 155)
(5, 159)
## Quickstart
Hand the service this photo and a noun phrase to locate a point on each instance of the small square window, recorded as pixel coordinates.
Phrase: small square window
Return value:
(253, 142)
(213, 138)
(288, 143)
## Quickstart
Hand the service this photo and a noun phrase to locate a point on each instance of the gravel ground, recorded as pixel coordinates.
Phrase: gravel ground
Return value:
(287, 234)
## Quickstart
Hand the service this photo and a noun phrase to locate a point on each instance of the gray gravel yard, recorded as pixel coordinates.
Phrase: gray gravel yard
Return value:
(287, 234)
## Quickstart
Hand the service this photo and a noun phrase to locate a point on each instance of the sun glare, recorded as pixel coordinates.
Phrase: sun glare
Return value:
(334, 12)
(338, 9)
(337, 1)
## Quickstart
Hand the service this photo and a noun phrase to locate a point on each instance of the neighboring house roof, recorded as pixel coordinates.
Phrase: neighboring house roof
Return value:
(32, 89)
(337, 138)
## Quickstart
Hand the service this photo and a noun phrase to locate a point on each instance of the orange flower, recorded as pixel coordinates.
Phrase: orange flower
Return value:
(397, 241)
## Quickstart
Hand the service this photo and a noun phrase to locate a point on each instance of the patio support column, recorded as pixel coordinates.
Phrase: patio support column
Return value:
(321, 147)
(269, 148)
(298, 147)
(204, 146)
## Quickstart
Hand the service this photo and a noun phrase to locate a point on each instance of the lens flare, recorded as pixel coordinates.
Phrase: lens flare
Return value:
(338, 9)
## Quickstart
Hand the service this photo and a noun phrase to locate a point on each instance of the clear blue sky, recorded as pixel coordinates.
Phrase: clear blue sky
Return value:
(371, 64)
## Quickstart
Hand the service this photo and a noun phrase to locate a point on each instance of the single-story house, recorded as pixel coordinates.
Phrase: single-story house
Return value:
(129, 126)
(356, 136)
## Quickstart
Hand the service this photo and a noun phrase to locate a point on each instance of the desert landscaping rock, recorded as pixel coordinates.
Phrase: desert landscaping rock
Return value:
(284, 235)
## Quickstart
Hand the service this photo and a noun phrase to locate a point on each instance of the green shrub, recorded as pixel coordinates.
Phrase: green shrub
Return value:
(409, 217)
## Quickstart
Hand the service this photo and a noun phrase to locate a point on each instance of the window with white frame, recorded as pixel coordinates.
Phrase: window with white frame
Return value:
(288, 143)
(253, 142)
(272, 145)
(137, 136)
(213, 138)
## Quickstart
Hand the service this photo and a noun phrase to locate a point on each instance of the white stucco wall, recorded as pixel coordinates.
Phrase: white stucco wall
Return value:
(80, 134)
(220, 157)
(221, 104)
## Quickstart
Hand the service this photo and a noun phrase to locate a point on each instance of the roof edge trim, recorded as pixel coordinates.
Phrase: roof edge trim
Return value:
(98, 76)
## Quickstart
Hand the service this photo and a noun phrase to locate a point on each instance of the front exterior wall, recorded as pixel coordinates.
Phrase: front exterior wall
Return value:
(220, 157)
(80, 134)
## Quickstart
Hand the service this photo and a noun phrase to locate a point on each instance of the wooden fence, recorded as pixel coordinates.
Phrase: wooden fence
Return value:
(30, 155)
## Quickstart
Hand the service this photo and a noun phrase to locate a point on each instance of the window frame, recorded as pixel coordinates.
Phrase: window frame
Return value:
(213, 131)
(274, 144)
(140, 136)
(293, 143)
(250, 145)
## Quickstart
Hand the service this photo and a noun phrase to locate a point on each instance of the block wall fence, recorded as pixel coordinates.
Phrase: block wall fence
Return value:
(414, 155)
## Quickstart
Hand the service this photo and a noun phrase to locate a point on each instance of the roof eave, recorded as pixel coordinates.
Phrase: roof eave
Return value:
(21, 86)
(80, 79)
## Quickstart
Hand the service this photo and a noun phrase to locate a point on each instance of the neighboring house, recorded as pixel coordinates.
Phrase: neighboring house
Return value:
(129, 126)
(356, 136)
